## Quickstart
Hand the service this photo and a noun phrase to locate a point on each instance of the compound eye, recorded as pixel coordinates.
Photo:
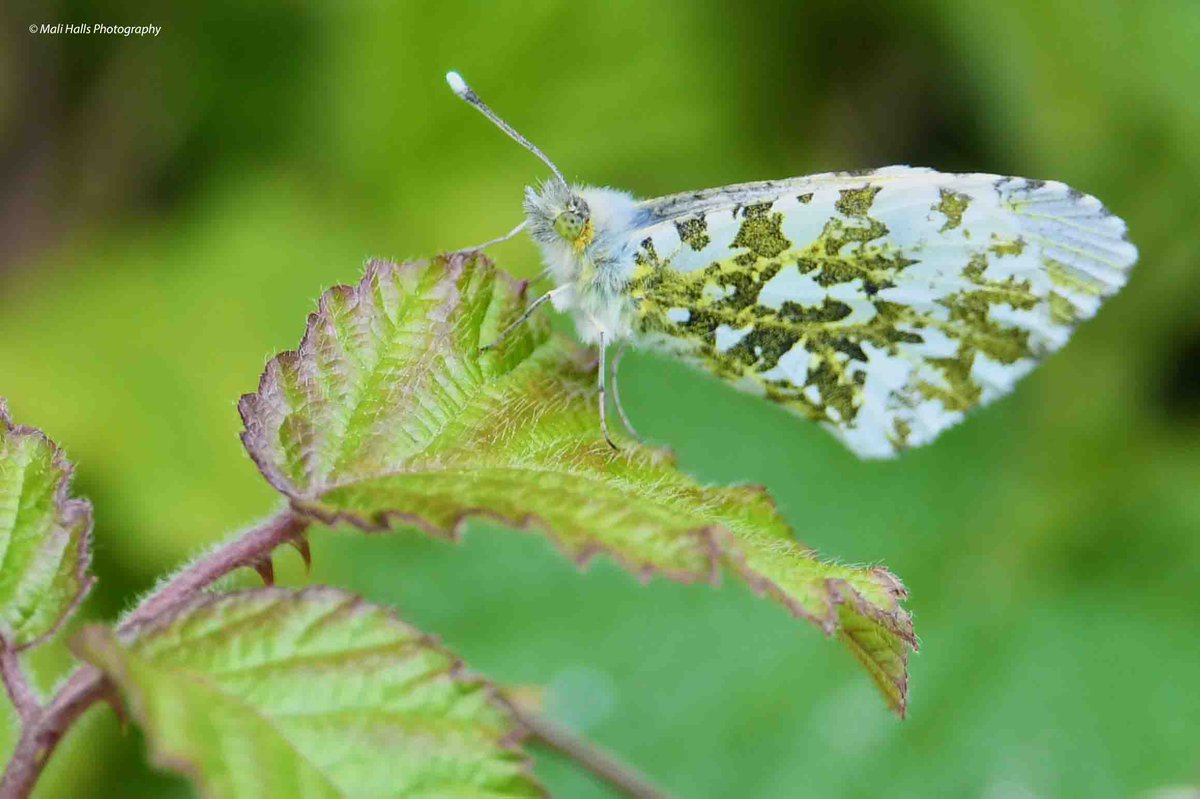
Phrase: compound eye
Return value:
(570, 224)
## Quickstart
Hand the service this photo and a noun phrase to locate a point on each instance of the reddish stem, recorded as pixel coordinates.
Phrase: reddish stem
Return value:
(17, 686)
(43, 728)
(245, 550)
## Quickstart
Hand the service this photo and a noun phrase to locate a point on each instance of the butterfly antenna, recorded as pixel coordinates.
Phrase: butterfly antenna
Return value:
(464, 91)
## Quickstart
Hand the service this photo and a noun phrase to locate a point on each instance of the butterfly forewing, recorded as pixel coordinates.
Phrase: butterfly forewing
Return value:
(885, 304)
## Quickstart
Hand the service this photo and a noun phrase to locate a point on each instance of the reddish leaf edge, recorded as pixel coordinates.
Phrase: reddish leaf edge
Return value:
(457, 671)
(72, 510)
(454, 263)
(718, 544)
(721, 548)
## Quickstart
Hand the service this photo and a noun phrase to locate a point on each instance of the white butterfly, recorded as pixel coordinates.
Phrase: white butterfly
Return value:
(884, 304)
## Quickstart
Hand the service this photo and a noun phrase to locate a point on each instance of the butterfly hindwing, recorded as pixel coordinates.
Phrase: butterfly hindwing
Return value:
(884, 304)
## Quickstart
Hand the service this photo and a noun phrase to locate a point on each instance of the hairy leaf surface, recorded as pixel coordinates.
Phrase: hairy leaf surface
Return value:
(388, 414)
(310, 694)
(45, 536)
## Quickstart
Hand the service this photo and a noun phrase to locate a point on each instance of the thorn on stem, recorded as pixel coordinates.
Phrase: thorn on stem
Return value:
(300, 543)
(112, 697)
(266, 570)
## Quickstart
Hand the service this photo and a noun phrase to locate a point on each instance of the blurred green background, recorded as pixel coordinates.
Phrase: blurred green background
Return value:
(171, 207)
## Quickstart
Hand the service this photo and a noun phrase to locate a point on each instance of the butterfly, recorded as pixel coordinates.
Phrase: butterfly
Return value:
(883, 304)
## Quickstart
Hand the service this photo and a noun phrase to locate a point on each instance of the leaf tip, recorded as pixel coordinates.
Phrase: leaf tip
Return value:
(890, 582)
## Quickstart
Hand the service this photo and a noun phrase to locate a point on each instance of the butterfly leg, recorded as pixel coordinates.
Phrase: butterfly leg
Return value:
(616, 364)
(533, 306)
(604, 405)
(505, 237)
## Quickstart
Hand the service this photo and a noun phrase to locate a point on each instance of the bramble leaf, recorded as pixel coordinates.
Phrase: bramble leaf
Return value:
(310, 694)
(388, 414)
(45, 537)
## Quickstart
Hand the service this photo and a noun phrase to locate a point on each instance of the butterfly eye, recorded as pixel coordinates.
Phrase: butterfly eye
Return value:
(570, 224)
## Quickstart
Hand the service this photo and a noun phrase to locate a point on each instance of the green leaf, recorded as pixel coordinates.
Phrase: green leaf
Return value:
(45, 537)
(314, 693)
(388, 414)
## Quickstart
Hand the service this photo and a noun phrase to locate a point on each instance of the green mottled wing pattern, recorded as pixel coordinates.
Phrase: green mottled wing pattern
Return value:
(885, 305)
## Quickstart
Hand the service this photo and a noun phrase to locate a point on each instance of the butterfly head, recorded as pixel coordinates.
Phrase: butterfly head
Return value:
(572, 224)
(557, 215)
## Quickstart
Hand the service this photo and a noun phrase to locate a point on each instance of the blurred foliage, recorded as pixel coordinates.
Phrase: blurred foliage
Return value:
(171, 206)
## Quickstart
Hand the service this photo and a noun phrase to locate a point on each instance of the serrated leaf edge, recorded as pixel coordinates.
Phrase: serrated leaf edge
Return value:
(457, 671)
(715, 542)
(455, 263)
(71, 511)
